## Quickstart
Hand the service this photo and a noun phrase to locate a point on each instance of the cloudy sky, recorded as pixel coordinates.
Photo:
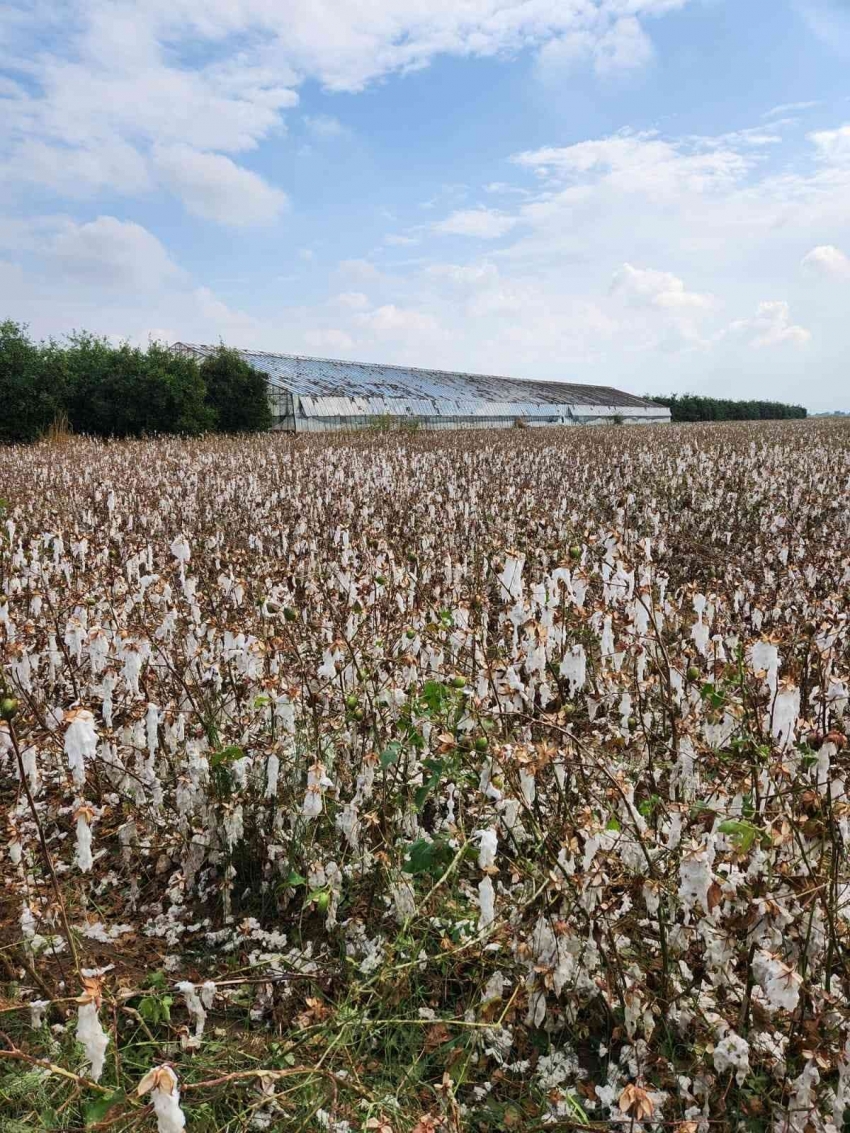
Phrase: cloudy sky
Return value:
(649, 193)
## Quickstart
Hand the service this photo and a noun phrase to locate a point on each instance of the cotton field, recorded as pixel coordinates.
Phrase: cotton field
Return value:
(427, 783)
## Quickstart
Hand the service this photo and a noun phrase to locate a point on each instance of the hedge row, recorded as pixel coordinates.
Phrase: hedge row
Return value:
(123, 391)
(690, 407)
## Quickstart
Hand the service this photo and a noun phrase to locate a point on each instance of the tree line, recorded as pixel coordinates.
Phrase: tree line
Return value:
(104, 390)
(691, 407)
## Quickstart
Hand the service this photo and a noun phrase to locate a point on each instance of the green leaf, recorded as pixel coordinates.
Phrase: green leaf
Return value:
(436, 768)
(613, 824)
(295, 879)
(709, 692)
(226, 755)
(95, 1111)
(435, 694)
(156, 979)
(156, 1009)
(427, 857)
(743, 834)
(391, 753)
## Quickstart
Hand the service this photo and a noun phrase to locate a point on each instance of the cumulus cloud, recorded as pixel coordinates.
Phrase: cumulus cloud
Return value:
(483, 223)
(109, 252)
(828, 261)
(213, 187)
(771, 326)
(659, 289)
(641, 162)
(114, 81)
(390, 320)
(623, 46)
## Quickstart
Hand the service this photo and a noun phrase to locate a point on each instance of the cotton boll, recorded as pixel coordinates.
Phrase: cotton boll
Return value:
(317, 782)
(195, 1008)
(312, 805)
(29, 761)
(511, 578)
(732, 1053)
(83, 853)
(487, 846)
(92, 1036)
(783, 719)
(165, 1097)
(272, 773)
(404, 900)
(37, 1009)
(152, 718)
(695, 877)
(486, 904)
(781, 984)
(80, 742)
(180, 549)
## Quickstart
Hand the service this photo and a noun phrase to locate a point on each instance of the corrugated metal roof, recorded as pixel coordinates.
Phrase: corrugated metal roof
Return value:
(331, 387)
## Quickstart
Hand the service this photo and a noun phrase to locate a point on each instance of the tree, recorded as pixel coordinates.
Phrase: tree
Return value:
(31, 400)
(123, 391)
(236, 392)
(692, 407)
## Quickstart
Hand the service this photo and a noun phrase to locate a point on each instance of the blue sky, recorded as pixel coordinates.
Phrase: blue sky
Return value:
(653, 194)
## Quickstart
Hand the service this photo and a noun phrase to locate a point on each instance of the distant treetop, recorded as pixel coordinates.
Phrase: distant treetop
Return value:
(693, 407)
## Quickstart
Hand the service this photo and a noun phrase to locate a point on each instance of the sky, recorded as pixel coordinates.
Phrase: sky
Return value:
(650, 194)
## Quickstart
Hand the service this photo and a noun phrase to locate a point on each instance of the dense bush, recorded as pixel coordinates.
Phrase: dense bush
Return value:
(691, 407)
(123, 391)
(236, 393)
(32, 399)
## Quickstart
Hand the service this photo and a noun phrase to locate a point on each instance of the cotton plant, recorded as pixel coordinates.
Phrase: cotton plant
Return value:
(596, 684)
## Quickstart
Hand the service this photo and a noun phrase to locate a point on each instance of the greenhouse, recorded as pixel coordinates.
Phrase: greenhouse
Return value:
(324, 394)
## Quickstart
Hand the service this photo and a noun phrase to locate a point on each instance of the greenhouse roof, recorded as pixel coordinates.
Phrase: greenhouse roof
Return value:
(323, 378)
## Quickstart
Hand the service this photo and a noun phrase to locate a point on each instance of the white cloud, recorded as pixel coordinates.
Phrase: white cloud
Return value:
(659, 289)
(467, 276)
(834, 145)
(641, 162)
(623, 46)
(771, 326)
(827, 260)
(80, 170)
(353, 300)
(391, 320)
(484, 223)
(236, 327)
(395, 240)
(324, 125)
(115, 81)
(829, 20)
(214, 188)
(329, 339)
(359, 269)
(110, 252)
(790, 108)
